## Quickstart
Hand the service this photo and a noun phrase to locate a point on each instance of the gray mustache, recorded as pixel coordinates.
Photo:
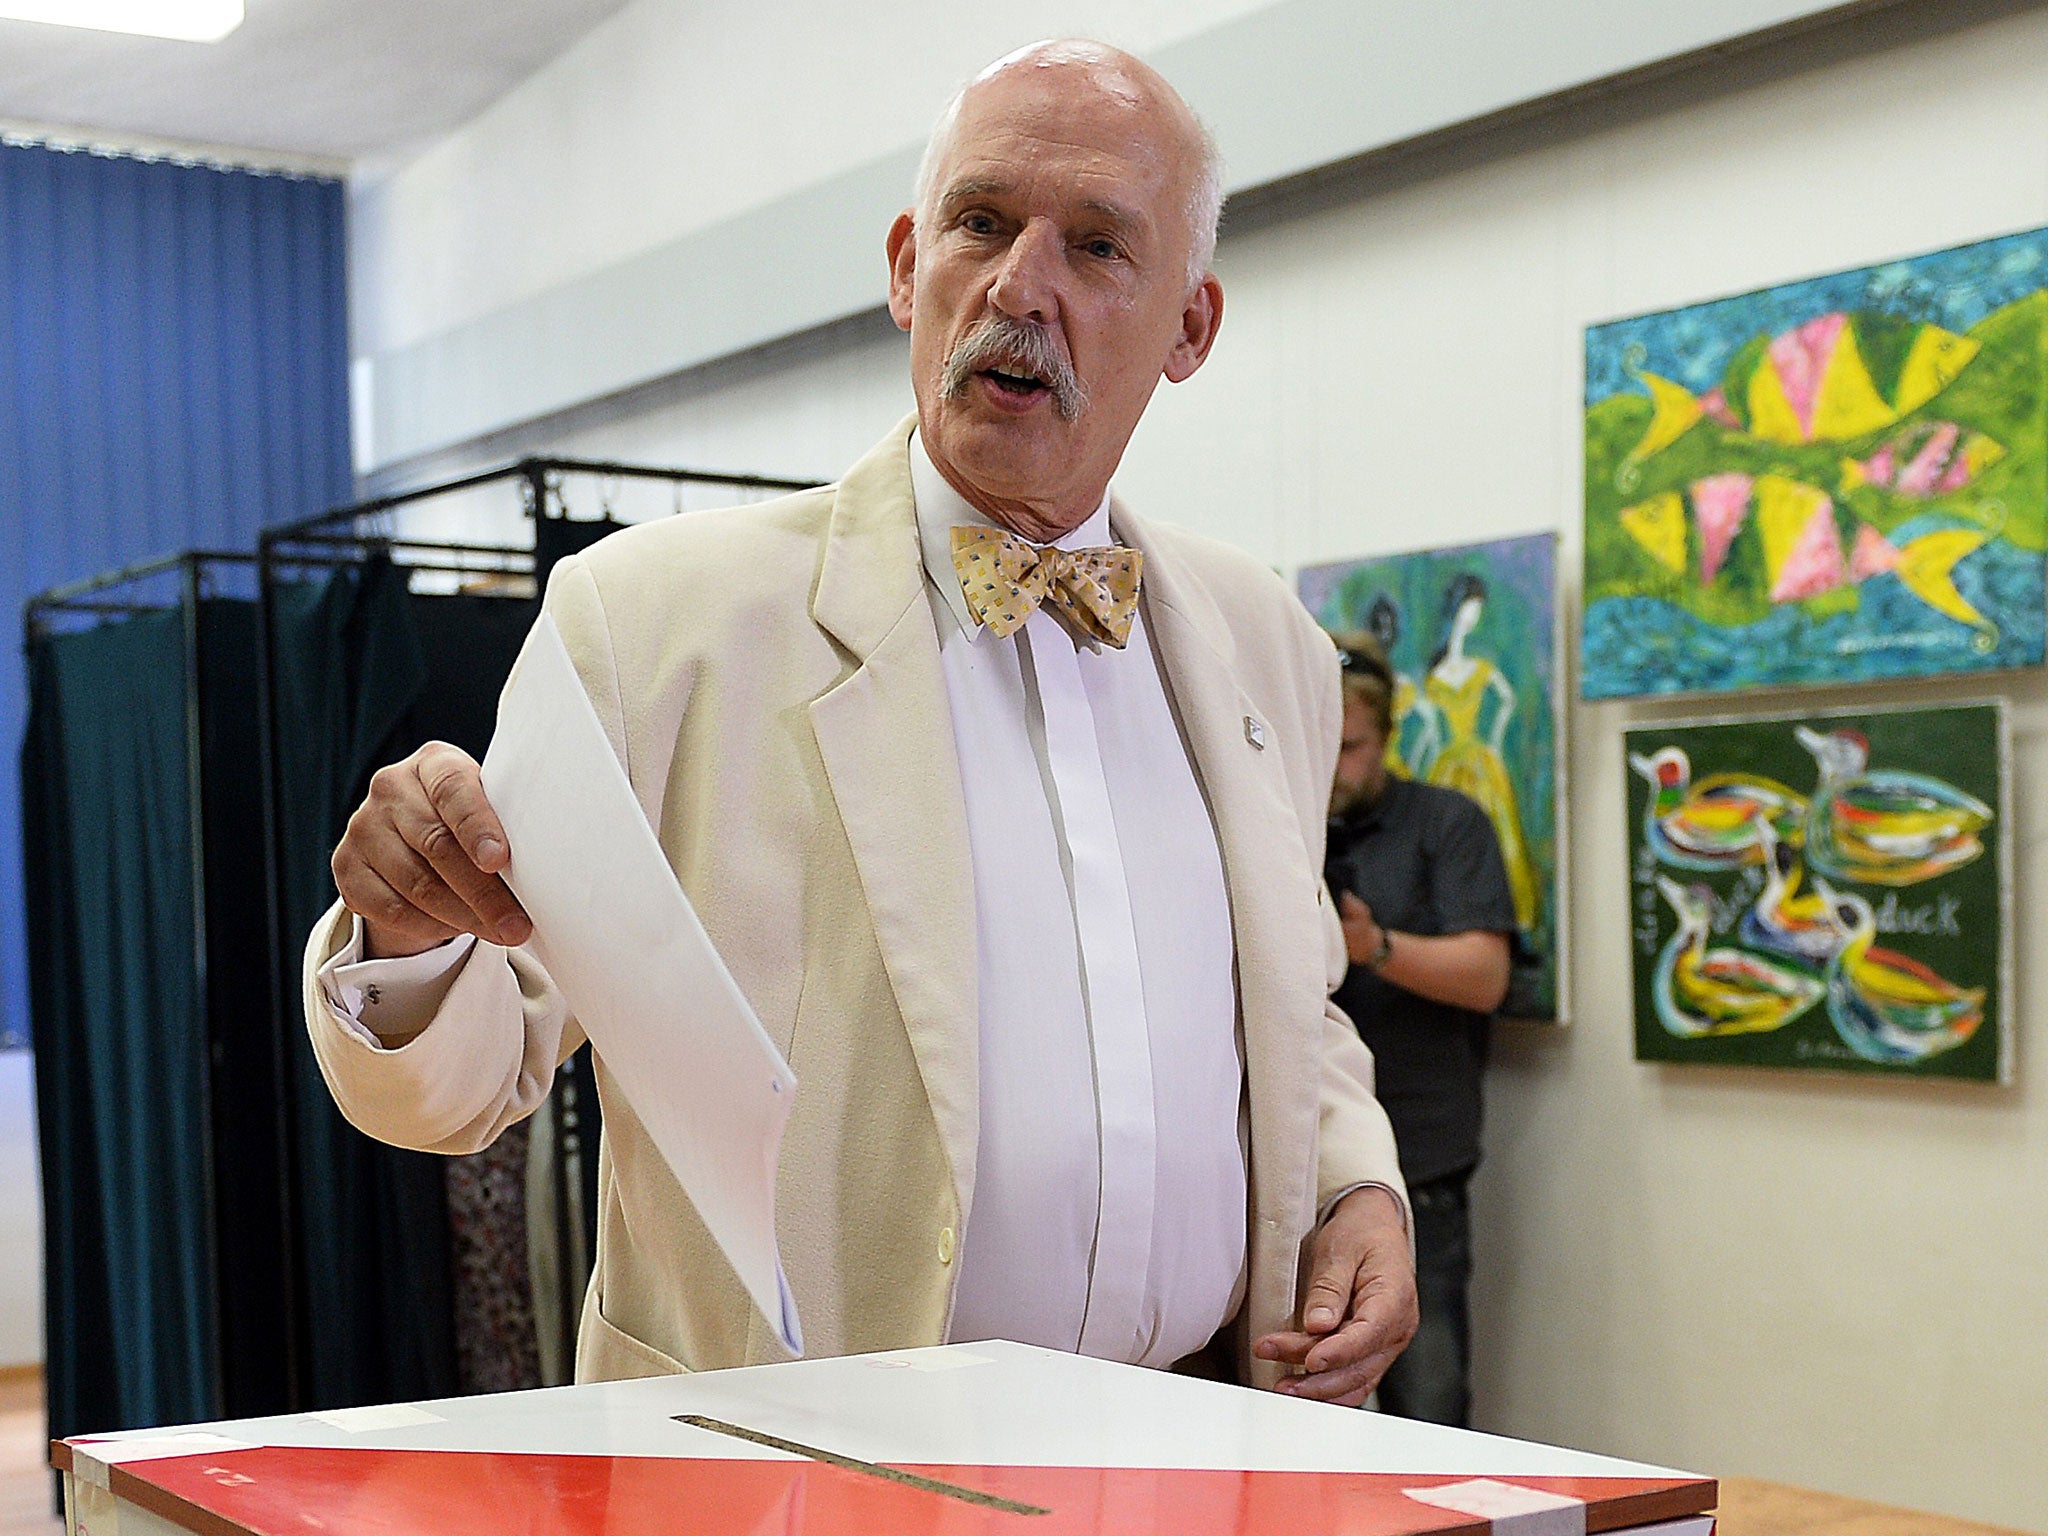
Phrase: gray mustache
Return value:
(998, 341)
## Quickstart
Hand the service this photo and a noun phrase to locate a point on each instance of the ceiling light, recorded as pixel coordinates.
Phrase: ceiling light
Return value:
(193, 21)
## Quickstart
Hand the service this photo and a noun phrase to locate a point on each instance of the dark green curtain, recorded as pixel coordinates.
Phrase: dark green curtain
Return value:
(119, 1029)
(181, 1255)
(366, 673)
(371, 1221)
(250, 1220)
(158, 1065)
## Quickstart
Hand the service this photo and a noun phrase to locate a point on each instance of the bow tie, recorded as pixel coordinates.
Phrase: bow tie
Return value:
(1004, 579)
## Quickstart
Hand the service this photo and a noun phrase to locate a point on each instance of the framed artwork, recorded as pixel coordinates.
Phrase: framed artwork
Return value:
(1824, 891)
(1831, 481)
(1472, 636)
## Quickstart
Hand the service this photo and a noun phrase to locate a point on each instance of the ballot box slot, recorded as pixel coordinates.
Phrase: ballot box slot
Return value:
(854, 1464)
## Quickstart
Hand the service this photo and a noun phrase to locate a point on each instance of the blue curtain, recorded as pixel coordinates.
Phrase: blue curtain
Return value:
(173, 375)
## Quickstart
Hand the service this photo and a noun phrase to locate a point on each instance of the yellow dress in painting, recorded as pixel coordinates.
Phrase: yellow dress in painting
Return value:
(1402, 704)
(1469, 764)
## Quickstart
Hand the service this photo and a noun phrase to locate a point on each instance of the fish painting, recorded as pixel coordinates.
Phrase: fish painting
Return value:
(1803, 552)
(1840, 478)
(1835, 378)
(1924, 460)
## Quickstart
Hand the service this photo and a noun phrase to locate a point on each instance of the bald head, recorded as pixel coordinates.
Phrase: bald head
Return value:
(1077, 65)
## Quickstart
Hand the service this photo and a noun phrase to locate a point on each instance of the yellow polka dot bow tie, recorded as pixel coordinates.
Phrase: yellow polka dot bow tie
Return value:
(1004, 579)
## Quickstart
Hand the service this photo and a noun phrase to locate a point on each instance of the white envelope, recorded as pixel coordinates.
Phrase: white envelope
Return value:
(622, 942)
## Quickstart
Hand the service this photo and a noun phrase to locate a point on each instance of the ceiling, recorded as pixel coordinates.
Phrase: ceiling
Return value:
(313, 80)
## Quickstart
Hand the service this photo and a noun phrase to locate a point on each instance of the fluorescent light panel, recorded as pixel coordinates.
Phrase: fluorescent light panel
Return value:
(191, 21)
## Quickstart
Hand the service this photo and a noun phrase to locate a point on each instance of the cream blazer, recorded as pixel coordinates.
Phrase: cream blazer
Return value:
(769, 676)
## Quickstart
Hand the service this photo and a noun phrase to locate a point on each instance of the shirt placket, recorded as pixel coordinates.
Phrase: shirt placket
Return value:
(1112, 995)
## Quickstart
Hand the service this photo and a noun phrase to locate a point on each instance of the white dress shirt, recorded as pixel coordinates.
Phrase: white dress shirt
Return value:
(1110, 1199)
(1109, 1202)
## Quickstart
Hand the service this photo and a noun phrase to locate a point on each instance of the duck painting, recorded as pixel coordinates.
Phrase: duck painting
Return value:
(1701, 992)
(1887, 827)
(1714, 824)
(1888, 1008)
(1800, 925)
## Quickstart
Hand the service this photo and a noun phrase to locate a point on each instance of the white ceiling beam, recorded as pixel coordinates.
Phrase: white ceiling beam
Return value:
(1290, 89)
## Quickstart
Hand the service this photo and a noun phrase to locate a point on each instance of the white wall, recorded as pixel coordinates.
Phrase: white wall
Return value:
(652, 202)
(21, 1214)
(1833, 1283)
(1837, 1283)
(665, 120)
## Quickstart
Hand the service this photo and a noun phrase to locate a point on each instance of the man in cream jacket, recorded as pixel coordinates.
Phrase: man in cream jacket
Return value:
(1016, 852)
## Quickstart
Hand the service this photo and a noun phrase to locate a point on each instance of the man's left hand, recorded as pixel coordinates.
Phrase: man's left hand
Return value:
(1359, 1311)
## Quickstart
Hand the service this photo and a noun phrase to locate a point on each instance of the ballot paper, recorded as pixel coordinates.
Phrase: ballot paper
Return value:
(639, 972)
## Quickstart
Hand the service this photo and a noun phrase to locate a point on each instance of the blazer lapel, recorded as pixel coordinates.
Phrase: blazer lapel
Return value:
(885, 733)
(1240, 764)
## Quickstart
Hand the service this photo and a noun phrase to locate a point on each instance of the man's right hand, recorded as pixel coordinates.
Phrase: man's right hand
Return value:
(422, 856)
(1363, 934)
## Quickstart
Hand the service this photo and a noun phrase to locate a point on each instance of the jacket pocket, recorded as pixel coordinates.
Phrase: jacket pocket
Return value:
(606, 1352)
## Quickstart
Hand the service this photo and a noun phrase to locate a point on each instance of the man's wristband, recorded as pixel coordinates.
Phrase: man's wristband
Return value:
(1384, 953)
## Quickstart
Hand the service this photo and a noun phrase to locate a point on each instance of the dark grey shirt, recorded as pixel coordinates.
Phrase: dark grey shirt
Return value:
(1426, 861)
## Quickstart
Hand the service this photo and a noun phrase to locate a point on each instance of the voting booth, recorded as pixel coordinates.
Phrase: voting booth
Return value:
(217, 1240)
(961, 1440)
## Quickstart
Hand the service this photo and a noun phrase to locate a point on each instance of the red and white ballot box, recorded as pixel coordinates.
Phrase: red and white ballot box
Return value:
(969, 1440)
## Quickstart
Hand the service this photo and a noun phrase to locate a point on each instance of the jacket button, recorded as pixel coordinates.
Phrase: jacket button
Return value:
(945, 1245)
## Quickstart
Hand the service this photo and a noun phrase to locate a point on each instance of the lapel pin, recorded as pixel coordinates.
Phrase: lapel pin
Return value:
(1255, 733)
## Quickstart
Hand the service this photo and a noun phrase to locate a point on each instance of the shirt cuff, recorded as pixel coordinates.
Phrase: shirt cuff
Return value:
(384, 1003)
